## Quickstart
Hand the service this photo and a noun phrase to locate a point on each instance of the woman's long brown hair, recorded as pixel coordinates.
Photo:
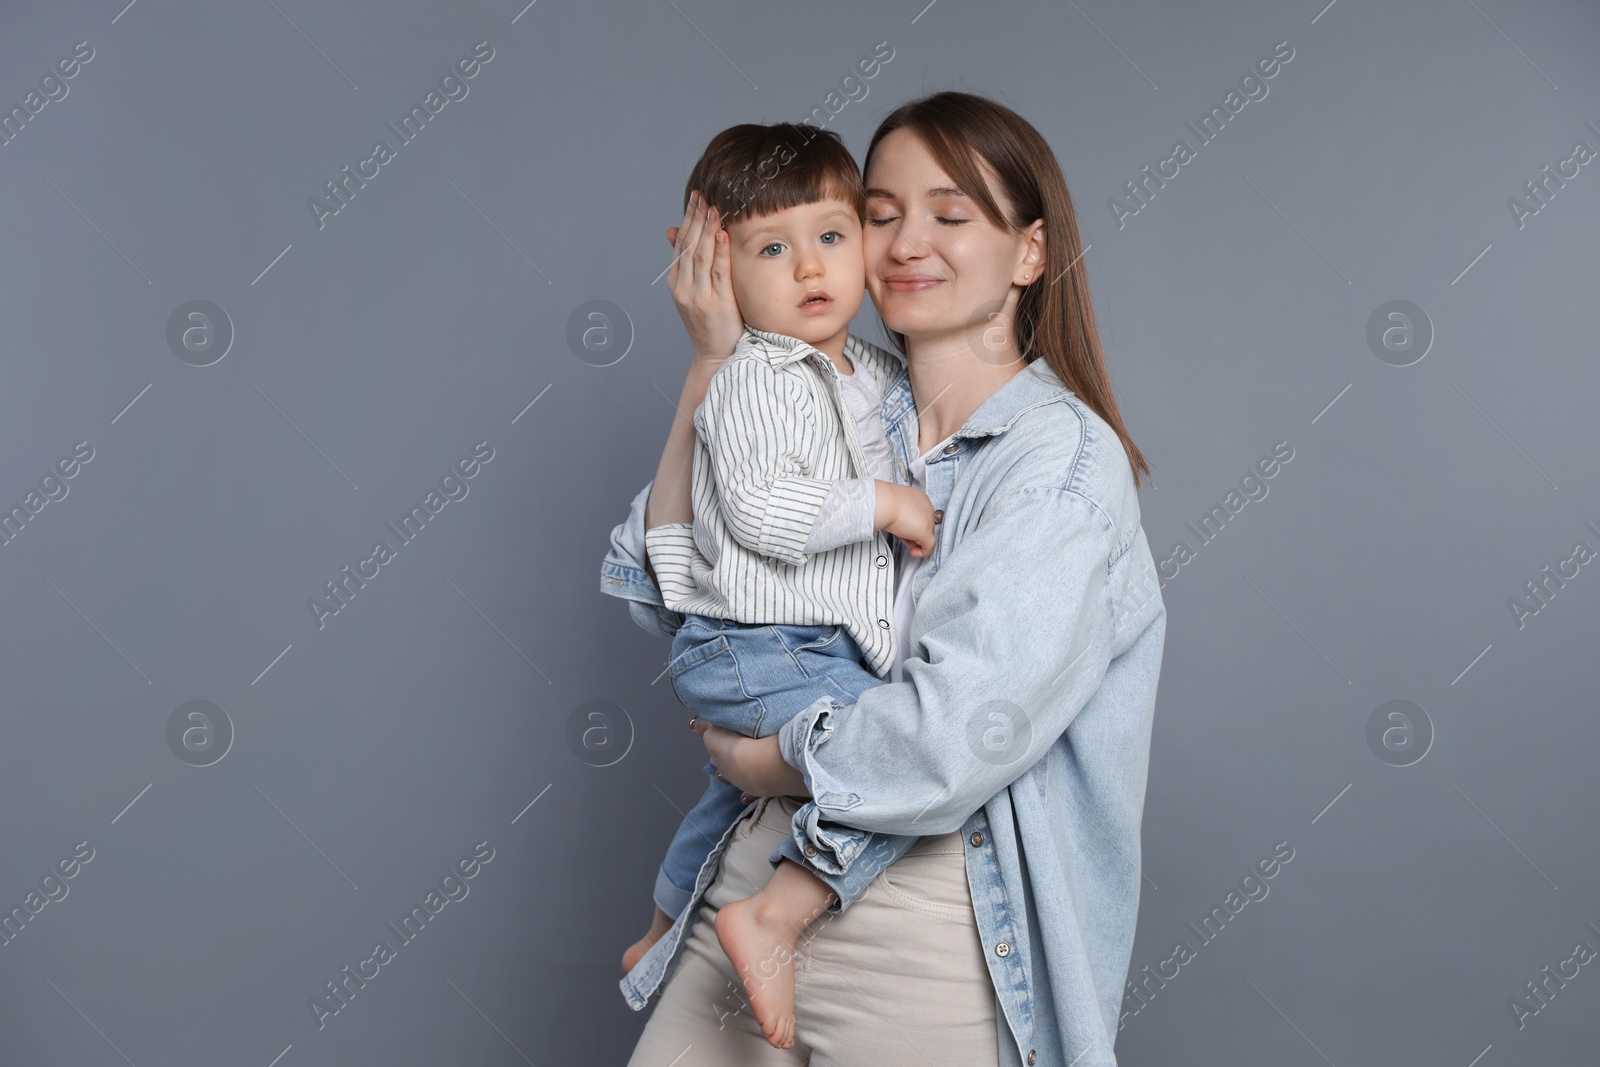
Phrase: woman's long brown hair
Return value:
(1054, 318)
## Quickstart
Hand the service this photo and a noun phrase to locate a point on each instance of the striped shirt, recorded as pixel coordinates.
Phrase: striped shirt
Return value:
(771, 438)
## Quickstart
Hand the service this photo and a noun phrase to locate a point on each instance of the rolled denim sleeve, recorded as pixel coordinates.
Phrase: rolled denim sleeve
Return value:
(1011, 637)
(623, 574)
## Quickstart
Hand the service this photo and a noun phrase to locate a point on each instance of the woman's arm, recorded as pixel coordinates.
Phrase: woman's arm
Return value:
(1011, 638)
(698, 280)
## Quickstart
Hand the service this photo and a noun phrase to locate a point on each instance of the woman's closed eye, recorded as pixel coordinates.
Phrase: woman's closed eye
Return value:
(887, 219)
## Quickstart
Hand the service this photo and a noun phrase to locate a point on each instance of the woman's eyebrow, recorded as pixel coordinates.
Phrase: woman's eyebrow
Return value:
(943, 190)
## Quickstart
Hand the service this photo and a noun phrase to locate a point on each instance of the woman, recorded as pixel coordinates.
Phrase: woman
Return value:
(1016, 741)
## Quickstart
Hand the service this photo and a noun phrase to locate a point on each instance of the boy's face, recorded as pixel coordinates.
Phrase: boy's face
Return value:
(800, 271)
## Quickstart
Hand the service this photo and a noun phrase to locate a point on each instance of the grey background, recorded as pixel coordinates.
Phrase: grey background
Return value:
(433, 710)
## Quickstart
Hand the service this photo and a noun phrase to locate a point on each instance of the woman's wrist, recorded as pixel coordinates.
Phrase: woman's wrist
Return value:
(696, 382)
(781, 778)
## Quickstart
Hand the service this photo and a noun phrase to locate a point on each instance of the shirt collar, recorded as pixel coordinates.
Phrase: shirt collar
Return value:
(1035, 384)
(781, 349)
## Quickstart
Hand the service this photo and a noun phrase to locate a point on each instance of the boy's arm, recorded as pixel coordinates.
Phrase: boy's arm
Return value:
(760, 429)
(847, 515)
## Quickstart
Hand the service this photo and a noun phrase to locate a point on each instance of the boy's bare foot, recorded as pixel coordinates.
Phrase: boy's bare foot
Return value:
(658, 926)
(760, 942)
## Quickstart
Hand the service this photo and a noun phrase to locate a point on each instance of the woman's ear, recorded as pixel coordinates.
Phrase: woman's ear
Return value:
(1030, 265)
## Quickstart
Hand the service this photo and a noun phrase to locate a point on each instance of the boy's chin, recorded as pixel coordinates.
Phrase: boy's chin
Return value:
(815, 331)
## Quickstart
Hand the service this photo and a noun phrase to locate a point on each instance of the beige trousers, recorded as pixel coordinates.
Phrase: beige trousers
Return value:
(898, 977)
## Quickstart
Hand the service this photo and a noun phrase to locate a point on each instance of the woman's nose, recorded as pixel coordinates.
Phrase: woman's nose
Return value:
(908, 242)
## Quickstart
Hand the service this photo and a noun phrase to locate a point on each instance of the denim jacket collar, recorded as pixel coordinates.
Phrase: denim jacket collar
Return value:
(1035, 384)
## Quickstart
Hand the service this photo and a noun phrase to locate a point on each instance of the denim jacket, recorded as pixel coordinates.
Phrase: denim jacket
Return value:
(1024, 718)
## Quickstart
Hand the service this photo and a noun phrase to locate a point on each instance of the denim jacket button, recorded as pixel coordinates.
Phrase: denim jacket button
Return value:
(977, 838)
(1033, 1056)
(1002, 949)
(950, 449)
(938, 515)
(810, 850)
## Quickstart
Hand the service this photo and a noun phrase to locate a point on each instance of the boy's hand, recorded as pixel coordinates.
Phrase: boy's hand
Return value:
(700, 282)
(906, 512)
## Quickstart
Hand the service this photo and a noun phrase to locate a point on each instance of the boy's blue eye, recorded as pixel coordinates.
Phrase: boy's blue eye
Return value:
(768, 250)
(831, 237)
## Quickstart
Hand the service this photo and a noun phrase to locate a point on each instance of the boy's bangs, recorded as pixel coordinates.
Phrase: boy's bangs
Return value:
(774, 196)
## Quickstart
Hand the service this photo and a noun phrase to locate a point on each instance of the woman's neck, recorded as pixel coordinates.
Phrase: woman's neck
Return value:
(951, 378)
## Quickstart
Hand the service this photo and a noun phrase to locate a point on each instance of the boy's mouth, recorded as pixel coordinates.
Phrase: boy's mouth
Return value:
(816, 300)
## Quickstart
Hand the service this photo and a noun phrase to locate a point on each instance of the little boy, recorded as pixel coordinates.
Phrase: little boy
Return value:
(785, 577)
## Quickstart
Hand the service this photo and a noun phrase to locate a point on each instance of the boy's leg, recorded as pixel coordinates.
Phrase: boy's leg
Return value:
(759, 933)
(718, 808)
(754, 679)
(703, 1018)
(860, 857)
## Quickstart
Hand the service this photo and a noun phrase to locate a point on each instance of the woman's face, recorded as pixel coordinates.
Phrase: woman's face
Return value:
(936, 266)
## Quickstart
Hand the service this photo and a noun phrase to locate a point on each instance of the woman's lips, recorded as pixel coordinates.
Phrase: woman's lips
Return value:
(911, 283)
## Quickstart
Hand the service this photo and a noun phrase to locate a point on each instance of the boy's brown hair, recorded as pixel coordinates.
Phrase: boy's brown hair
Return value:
(751, 170)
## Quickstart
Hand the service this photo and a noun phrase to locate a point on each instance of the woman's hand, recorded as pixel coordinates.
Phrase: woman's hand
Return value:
(699, 279)
(754, 764)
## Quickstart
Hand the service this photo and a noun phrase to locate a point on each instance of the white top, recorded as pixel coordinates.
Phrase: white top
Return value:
(772, 437)
(905, 569)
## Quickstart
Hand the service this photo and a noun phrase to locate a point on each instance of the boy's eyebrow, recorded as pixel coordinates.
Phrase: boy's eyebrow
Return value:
(934, 193)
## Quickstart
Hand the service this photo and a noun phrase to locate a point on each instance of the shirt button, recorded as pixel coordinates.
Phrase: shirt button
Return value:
(1033, 1055)
(977, 838)
(950, 449)
(1002, 949)
(810, 850)
(938, 515)
(883, 561)
(883, 623)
